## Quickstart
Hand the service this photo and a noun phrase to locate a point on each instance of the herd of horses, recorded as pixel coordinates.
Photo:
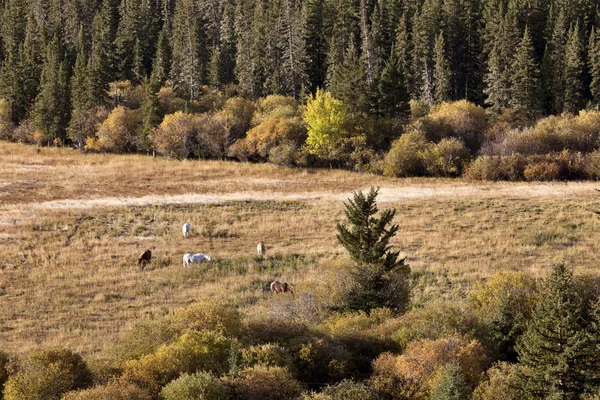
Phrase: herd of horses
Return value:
(275, 286)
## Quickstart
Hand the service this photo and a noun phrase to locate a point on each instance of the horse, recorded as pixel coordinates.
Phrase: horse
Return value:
(281, 287)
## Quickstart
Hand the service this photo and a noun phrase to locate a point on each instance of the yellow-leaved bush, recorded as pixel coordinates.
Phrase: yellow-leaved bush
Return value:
(416, 371)
(117, 133)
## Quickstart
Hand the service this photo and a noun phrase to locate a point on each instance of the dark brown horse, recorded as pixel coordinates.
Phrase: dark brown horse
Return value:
(145, 258)
(281, 287)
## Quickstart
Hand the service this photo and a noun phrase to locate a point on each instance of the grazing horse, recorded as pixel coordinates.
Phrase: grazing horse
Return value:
(261, 249)
(145, 258)
(186, 230)
(195, 258)
(281, 287)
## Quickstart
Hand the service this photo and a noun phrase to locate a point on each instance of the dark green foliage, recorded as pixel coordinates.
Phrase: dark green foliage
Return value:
(51, 111)
(381, 278)
(393, 95)
(556, 351)
(525, 90)
(441, 72)
(452, 384)
(573, 99)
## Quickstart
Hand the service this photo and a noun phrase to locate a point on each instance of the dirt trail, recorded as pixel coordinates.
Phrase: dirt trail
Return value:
(11, 214)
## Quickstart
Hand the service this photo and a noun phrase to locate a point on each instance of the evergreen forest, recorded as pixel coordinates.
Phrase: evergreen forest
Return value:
(491, 89)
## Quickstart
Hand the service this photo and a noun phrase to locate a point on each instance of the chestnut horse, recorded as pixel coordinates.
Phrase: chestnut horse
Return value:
(281, 287)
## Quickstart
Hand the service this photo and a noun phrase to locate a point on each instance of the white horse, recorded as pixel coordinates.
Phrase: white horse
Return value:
(195, 258)
(186, 230)
(261, 249)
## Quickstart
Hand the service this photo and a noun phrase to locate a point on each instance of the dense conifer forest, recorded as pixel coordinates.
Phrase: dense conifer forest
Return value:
(230, 78)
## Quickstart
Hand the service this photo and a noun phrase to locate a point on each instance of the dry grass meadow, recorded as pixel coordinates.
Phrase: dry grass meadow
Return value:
(73, 225)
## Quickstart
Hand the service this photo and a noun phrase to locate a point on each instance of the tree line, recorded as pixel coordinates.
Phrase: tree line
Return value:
(66, 65)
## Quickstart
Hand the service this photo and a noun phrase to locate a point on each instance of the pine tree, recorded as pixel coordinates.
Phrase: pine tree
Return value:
(186, 67)
(594, 66)
(162, 58)
(402, 50)
(126, 37)
(101, 63)
(315, 42)
(381, 278)
(243, 67)
(51, 111)
(293, 66)
(573, 73)
(499, 65)
(80, 100)
(441, 72)
(28, 71)
(525, 77)
(12, 31)
(150, 114)
(553, 67)
(452, 384)
(556, 349)
(349, 83)
(393, 95)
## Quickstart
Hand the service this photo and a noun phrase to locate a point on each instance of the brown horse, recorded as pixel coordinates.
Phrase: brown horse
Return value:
(145, 258)
(281, 287)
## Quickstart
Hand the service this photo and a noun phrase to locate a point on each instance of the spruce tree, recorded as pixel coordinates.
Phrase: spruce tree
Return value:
(402, 51)
(150, 114)
(381, 278)
(525, 77)
(573, 73)
(51, 111)
(315, 42)
(101, 63)
(451, 385)
(556, 350)
(186, 67)
(126, 37)
(499, 66)
(553, 68)
(162, 58)
(294, 78)
(441, 72)
(594, 65)
(349, 83)
(393, 95)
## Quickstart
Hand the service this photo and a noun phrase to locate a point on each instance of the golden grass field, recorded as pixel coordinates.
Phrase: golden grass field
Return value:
(72, 226)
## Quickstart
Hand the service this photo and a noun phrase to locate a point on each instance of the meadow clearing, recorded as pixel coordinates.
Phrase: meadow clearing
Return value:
(72, 226)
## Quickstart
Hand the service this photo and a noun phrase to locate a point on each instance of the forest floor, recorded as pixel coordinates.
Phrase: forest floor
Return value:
(72, 226)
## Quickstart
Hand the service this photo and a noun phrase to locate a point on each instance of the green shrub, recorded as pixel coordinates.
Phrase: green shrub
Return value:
(405, 158)
(269, 355)
(110, 391)
(446, 158)
(265, 383)
(47, 374)
(198, 386)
